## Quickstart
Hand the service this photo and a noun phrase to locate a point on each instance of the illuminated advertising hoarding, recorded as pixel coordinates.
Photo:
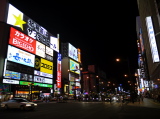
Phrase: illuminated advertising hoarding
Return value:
(22, 41)
(39, 79)
(43, 65)
(49, 51)
(35, 84)
(12, 75)
(46, 66)
(54, 43)
(43, 74)
(16, 18)
(19, 56)
(48, 81)
(59, 71)
(40, 49)
(74, 66)
(79, 55)
(72, 52)
(48, 57)
(9, 81)
(152, 39)
(26, 77)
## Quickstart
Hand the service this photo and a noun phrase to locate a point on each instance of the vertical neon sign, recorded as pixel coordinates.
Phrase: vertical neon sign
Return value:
(59, 71)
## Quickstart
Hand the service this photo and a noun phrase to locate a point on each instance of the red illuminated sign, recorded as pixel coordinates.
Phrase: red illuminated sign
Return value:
(59, 71)
(22, 41)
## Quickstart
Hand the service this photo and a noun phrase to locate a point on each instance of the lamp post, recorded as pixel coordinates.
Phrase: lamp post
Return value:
(128, 66)
(30, 89)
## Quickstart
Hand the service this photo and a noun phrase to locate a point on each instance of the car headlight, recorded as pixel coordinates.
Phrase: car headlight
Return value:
(28, 105)
(2, 105)
(35, 104)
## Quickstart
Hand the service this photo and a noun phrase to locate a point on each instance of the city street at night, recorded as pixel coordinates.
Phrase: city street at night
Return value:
(88, 110)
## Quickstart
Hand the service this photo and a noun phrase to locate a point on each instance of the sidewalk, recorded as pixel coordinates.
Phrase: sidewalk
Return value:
(147, 102)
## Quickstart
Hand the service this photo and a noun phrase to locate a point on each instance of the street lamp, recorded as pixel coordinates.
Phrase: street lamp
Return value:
(30, 89)
(128, 66)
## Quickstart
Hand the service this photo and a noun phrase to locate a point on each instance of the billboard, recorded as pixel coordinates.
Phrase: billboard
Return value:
(59, 71)
(74, 66)
(72, 52)
(9, 81)
(40, 49)
(22, 41)
(19, 56)
(12, 75)
(43, 65)
(152, 39)
(16, 18)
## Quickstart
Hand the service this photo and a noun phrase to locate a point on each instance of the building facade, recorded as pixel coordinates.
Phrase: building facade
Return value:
(148, 29)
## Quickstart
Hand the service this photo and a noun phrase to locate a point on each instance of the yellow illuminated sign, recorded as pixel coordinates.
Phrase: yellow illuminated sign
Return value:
(46, 66)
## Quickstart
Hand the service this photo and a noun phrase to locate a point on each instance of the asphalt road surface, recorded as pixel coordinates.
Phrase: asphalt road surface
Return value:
(148, 109)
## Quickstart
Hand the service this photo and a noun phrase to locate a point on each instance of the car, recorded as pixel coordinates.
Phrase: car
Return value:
(107, 99)
(127, 97)
(36, 100)
(115, 98)
(18, 103)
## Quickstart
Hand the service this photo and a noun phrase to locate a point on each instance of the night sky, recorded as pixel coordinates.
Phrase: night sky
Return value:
(102, 30)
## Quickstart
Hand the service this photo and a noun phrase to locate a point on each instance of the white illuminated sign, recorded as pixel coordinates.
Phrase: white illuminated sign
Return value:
(19, 56)
(72, 52)
(54, 43)
(49, 51)
(40, 49)
(152, 40)
(10, 81)
(39, 73)
(49, 81)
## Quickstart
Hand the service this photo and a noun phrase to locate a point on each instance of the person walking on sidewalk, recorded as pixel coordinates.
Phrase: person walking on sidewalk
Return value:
(138, 98)
(141, 97)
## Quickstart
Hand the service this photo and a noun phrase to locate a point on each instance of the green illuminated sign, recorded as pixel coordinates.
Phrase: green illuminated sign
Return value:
(35, 84)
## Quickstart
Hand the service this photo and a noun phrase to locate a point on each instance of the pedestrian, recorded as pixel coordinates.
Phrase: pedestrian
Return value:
(79, 98)
(138, 98)
(141, 97)
(75, 97)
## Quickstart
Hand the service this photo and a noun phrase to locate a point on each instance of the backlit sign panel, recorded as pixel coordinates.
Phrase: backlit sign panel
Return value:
(9, 81)
(43, 74)
(40, 49)
(79, 55)
(59, 71)
(47, 80)
(49, 51)
(39, 79)
(12, 75)
(35, 84)
(54, 43)
(22, 41)
(46, 66)
(31, 28)
(43, 65)
(26, 77)
(152, 40)
(74, 66)
(72, 52)
(19, 56)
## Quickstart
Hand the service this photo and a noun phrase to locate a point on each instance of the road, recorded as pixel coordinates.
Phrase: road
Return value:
(88, 110)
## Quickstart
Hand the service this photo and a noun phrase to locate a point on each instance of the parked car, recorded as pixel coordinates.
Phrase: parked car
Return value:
(19, 103)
